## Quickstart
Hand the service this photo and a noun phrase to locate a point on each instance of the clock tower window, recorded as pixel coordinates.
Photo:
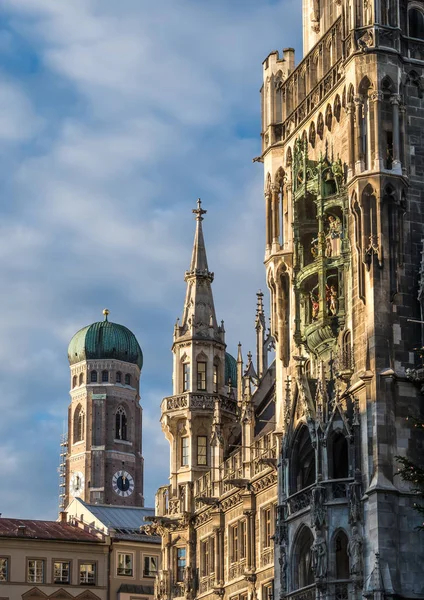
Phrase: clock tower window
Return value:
(93, 377)
(105, 376)
(121, 424)
(81, 378)
(186, 377)
(127, 379)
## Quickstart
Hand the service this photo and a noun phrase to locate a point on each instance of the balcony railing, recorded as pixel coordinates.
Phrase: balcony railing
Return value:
(197, 401)
(305, 593)
(299, 500)
(236, 569)
(206, 583)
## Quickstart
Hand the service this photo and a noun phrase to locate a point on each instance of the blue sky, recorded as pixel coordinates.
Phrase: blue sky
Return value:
(114, 118)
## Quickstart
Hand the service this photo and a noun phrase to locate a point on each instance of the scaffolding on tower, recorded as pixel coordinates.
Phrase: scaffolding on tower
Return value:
(62, 470)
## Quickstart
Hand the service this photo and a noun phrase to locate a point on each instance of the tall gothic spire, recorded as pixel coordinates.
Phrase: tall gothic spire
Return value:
(199, 318)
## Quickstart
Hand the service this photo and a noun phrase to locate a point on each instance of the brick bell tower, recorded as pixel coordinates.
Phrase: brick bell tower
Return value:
(343, 182)
(104, 463)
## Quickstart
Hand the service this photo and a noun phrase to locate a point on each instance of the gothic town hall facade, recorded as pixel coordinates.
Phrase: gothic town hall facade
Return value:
(283, 478)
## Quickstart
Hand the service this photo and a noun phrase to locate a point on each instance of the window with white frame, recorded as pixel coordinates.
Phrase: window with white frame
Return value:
(4, 568)
(201, 376)
(234, 543)
(150, 566)
(87, 573)
(61, 572)
(202, 449)
(124, 564)
(35, 571)
(186, 377)
(184, 451)
(267, 526)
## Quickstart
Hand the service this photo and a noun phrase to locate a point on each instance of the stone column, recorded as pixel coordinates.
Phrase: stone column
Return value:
(275, 219)
(268, 217)
(217, 557)
(402, 111)
(394, 101)
(376, 98)
(358, 137)
(351, 159)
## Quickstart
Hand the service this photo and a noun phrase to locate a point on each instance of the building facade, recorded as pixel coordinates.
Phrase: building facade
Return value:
(343, 180)
(42, 560)
(216, 518)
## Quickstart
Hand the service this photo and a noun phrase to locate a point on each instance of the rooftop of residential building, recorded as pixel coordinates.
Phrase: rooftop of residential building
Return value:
(44, 530)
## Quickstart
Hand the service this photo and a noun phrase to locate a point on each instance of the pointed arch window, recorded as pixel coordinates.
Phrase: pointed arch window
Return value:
(415, 23)
(81, 378)
(93, 376)
(347, 350)
(303, 462)
(341, 556)
(127, 379)
(215, 378)
(119, 377)
(302, 563)
(339, 464)
(79, 424)
(121, 431)
(105, 376)
(74, 381)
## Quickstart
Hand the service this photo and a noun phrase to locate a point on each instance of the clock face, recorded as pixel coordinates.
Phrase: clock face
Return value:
(76, 485)
(123, 483)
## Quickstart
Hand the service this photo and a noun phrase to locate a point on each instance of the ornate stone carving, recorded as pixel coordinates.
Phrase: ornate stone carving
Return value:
(319, 556)
(318, 512)
(354, 550)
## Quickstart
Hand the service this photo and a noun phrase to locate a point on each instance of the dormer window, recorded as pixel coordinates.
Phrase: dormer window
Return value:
(201, 376)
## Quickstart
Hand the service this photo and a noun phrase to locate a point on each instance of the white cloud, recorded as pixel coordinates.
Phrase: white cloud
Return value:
(121, 115)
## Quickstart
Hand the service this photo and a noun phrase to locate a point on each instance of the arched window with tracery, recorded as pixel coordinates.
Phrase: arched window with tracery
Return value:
(341, 556)
(339, 459)
(121, 432)
(79, 424)
(347, 350)
(415, 23)
(302, 560)
(303, 461)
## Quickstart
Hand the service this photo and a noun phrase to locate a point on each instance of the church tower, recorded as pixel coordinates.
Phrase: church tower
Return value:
(104, 463)
(202, 372)
(343, 181)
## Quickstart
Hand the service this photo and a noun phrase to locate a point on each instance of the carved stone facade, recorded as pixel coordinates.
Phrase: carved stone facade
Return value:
(217, 516)
(343, 179)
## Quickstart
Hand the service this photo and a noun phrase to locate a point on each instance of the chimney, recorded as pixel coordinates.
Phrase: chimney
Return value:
(63, 516)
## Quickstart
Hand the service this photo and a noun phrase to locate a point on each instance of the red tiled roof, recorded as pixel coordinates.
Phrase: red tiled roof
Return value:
(44, 530)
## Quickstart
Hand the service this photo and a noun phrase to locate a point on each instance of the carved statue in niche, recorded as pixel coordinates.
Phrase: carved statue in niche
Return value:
(317, 506)
(354, 550)
(331, 299)
(188, 579)
(315, 305)
(354, 496)
(333, 236)
(319, 556)
(314, 247)
(283, 567)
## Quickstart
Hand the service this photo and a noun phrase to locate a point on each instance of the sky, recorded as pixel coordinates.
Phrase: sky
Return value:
(114, 118)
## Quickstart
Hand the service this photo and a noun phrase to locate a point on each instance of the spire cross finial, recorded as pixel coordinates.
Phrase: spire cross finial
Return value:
(199, 210)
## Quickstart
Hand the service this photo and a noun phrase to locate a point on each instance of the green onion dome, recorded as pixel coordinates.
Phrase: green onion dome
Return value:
(105, 340)
(230, 370)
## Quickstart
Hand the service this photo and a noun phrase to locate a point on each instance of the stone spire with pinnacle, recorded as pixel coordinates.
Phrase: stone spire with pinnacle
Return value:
(199, 318)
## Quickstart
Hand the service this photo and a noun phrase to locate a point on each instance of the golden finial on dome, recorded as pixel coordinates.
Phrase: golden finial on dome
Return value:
(106, 311)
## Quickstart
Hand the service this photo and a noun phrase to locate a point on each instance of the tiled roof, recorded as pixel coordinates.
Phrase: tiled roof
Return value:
(44, 530)
(131, 588)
